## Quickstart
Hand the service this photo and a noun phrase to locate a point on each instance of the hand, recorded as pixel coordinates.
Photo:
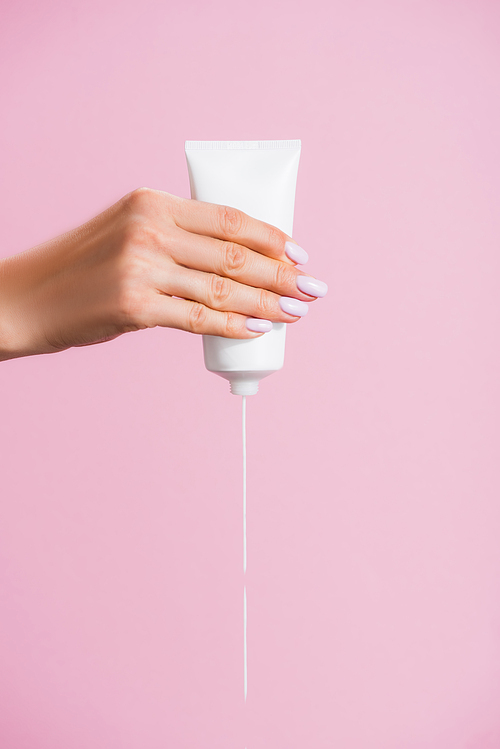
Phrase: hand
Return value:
(152, 259)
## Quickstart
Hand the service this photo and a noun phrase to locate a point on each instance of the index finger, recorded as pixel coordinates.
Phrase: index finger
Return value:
(227, 223)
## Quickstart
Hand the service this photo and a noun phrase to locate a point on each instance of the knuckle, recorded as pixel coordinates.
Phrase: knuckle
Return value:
(197, 318)
(139, 200)
(230, 220)
(275, 239)
(131, 280)
(284, 276)
(139, 234)
(265, 305)
(219, 290)
(133, 234)
(130, 306)
(233, 258)
(231, 325)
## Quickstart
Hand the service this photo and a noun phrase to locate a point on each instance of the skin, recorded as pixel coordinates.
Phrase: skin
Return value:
(122, 270)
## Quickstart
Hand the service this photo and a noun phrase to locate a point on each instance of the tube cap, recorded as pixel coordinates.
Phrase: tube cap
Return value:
(244, 387)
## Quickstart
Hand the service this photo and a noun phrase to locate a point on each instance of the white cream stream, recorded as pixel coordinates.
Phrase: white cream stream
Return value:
(244, 429)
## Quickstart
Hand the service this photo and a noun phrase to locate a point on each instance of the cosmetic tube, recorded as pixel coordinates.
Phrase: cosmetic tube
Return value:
(259, 178)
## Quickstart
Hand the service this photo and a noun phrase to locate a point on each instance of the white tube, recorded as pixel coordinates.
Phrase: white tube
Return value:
(259, 178)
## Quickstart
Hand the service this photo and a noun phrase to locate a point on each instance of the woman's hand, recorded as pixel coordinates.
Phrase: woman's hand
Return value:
(152, 259)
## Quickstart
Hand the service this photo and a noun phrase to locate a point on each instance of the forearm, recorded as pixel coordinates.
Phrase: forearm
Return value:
(51, 296)
(3, 331)
(18, 306)
(8, 342)
(38, 288)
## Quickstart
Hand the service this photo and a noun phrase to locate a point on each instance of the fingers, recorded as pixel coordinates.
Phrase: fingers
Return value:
(227, 272)
(234, 261)
(197, 318)
(230, 224)
(226, 295)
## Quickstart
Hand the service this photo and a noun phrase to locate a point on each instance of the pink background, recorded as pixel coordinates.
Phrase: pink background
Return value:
(374, 481)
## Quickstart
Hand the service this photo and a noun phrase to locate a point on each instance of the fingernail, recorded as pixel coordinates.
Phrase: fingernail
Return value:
(296, 253)
(293, 306)
(311, 286)
(258, 326)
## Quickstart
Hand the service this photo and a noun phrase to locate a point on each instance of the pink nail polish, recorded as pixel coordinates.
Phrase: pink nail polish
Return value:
(293, 306)
(296, 253)
(258, 326)
(312, 286)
